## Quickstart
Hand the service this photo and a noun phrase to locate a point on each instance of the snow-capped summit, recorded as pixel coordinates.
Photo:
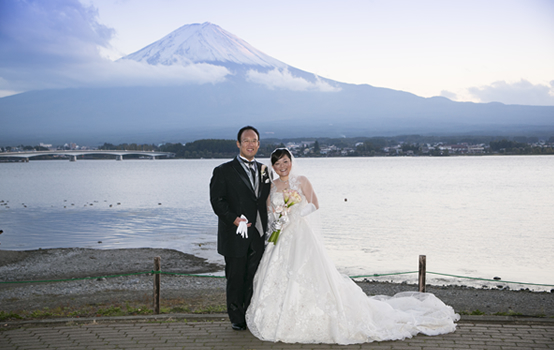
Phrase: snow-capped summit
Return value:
(206, 42)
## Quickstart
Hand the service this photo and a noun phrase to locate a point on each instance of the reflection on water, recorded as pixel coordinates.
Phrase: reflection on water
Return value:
(471, 216)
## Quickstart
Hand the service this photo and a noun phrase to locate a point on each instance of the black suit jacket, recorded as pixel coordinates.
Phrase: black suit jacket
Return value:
(232, 195)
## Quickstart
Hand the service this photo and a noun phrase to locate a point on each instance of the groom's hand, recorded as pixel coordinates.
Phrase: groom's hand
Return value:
(238, 220)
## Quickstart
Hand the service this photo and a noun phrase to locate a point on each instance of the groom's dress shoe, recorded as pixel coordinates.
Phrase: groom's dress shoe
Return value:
(238, 326)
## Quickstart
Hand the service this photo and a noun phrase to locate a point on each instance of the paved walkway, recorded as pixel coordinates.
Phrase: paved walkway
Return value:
(214, 332)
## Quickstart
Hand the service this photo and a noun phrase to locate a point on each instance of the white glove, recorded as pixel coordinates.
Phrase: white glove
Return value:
(308, 209)
(242, 229)
(276, 225)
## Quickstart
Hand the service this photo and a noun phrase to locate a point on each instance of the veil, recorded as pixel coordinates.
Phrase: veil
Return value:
(297, 181)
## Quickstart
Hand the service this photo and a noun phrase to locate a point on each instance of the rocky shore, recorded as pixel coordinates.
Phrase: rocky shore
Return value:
(93, 264)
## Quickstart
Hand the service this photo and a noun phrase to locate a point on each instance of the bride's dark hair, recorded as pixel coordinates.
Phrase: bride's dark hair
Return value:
(280, 153)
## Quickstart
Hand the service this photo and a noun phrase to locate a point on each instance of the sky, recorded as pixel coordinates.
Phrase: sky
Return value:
(478, 51)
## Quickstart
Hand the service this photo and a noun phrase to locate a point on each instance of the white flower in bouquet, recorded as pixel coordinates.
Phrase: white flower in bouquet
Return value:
(290, 198)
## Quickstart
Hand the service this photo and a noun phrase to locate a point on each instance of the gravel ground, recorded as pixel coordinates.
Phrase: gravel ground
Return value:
(48, 264)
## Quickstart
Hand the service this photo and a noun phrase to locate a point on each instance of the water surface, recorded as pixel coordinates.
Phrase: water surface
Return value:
(472, 216)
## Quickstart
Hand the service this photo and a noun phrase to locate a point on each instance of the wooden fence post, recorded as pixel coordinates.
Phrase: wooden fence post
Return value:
(157, 279)
(422, 271)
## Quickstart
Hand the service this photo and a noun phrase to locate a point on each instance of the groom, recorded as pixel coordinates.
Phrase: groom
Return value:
(240, 188)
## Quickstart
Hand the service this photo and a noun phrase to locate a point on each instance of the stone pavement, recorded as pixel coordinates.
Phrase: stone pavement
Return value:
(214, 332)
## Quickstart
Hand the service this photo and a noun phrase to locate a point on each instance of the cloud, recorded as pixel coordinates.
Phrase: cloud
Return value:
(58, 43)
(129, 73)
(283, 79)
(53, 33)
(522, 93)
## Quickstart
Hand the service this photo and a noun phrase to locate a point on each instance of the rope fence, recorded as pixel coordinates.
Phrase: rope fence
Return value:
(81, 278)
(212, 276)
(157, 275)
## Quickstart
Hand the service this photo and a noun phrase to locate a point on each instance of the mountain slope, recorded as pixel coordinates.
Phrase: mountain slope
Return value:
(181, 114)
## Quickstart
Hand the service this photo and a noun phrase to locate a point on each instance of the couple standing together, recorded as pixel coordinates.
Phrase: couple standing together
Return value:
(290, 290)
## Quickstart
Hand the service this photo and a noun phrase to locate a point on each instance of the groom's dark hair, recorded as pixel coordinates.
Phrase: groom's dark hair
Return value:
(248, 127)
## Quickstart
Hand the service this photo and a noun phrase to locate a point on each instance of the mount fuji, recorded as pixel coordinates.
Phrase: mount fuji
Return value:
(208, 43)
(203, 43)
(219, 83)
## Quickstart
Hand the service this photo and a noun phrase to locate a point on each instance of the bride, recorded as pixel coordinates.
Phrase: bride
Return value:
(300, 297)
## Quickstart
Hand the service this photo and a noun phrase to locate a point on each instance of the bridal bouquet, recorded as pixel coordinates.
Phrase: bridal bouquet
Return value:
(290, 197)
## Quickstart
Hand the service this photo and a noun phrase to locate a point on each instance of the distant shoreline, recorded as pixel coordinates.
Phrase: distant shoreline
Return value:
(312, 147)
(42, 158)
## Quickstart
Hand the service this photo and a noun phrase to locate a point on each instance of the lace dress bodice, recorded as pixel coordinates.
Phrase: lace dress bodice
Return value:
(276, 200)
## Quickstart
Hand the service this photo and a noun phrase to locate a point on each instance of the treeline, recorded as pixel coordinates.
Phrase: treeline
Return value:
(208, 148)
(23, 148)
(514, 147)
(359, 146)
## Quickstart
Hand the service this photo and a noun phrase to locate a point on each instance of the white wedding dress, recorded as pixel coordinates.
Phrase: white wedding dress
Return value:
(300, 297)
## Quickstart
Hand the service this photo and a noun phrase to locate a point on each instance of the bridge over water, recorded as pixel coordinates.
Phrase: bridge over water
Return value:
(73, 154)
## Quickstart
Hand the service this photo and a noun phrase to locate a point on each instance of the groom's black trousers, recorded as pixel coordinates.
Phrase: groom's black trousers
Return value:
(239, 273)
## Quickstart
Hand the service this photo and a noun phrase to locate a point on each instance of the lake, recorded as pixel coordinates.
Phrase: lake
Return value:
(480, 217)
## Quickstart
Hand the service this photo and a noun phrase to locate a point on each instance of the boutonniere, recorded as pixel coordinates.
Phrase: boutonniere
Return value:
(265, 177)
